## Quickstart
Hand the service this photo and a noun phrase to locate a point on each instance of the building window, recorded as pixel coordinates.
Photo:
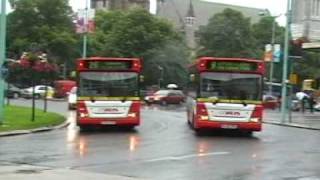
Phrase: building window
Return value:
(190, 21)
(315, 8)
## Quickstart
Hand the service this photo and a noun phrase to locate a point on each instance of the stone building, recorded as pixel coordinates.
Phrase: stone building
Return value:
(306, 19)
(189, 15)
(118, 4)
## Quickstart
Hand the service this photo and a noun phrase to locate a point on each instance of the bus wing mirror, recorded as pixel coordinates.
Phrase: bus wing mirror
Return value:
(192, 77)
(141, 78)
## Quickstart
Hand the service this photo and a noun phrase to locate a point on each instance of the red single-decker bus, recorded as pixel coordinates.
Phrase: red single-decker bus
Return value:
(108, 91)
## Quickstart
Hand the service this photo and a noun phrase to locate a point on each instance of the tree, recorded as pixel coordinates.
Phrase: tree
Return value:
(137, 33)
(262, 33)
(47, 23)
(228, 34)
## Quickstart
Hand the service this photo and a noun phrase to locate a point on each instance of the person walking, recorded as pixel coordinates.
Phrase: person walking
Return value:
(311, 102)
(303, 98)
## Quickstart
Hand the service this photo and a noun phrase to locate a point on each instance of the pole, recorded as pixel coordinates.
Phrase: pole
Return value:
(285, 65)
(85, 38)
(45, 106)
(33, 99)
(8, 90)
(84, 53)
(2, 54)
(272, 50)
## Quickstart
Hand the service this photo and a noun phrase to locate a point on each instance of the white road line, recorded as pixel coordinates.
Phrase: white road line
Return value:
(175, 158)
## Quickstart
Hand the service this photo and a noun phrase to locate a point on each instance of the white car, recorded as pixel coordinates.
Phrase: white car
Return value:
(39, 91)
(72, 98)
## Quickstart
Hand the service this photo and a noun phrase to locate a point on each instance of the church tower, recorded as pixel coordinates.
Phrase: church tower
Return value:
(189, 22)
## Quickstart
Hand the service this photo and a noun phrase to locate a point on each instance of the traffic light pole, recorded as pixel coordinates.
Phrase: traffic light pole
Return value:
(285, 65)
(2, 55)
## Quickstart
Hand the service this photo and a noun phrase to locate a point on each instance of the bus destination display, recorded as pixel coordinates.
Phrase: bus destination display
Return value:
(232, 66)
(109, 65)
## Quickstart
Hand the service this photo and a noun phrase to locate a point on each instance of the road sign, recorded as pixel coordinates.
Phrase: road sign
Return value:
(85, 21)
(276, 53)
(268, 53)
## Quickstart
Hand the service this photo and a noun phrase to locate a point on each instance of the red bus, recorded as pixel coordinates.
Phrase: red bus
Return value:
(108, 91)
(225, 93)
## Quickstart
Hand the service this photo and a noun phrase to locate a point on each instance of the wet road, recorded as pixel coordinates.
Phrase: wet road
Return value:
(164, 147)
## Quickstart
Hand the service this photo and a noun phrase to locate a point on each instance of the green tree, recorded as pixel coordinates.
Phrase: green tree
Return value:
(137, 33)
(228, 34)
(46, 23)
(262, 33)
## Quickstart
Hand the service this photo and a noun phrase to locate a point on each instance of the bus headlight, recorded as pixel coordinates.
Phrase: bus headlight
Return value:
(204, 118)
(83, 115)
(254, 119)
(133, 115)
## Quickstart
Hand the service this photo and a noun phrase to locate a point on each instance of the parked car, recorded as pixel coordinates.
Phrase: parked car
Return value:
(39, 91)
(166, 97)
(62, 87)
(12, 92)
(270, 102)
(72, 98)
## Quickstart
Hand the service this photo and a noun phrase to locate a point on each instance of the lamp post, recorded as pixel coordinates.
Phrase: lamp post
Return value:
(285, 64)
(161, 75)
(85, 34)
(2, 54)
(273, 38)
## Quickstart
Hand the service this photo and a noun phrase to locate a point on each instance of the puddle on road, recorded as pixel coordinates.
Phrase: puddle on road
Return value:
(27, 171)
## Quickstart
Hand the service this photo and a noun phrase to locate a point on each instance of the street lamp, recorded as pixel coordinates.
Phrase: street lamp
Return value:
(273, 36)
(2, 53)
(85, 35)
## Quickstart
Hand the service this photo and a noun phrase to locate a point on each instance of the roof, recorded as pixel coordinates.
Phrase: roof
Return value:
(176, 10)
(190, 10)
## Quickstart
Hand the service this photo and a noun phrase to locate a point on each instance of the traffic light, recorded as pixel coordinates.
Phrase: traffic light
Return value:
(296, 47)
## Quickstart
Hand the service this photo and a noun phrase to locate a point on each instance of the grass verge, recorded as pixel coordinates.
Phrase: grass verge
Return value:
(19, 118)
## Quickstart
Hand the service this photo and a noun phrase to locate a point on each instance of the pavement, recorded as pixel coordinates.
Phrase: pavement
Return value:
(304, 120)
(27, 172)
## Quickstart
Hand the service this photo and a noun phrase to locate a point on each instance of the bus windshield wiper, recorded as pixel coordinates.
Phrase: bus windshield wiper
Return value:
(215, 100)
(92, 99)
(124, 99)
(244, 102)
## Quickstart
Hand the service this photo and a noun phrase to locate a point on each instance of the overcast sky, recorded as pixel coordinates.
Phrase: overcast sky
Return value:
(276, 7)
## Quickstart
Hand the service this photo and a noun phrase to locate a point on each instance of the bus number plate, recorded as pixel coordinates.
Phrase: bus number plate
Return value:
(108, 122)
(228, 126)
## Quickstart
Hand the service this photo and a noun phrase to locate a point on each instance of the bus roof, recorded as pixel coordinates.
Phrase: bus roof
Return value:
(228, 59)
(108, 58)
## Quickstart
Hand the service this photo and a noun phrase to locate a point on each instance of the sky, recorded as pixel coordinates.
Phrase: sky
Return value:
(276, 7)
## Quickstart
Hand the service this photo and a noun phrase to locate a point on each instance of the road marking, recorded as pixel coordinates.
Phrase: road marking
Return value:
(176, 158)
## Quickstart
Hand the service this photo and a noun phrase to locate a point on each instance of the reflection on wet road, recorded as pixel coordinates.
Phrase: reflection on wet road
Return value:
(164, 147)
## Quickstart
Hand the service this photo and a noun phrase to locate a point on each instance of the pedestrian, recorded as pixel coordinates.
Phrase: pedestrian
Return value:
(303, 103)
(279, 102)
(311, 102)
(302, 97)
